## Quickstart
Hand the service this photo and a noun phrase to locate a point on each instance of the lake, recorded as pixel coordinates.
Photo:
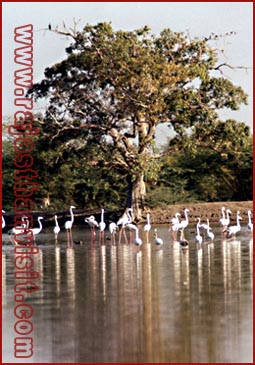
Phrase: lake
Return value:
(104, 301)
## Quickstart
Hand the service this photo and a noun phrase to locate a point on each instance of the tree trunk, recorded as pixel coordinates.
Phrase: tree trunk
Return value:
(137, 193)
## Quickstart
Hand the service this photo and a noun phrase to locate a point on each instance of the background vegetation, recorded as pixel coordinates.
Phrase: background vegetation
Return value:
(97, 144)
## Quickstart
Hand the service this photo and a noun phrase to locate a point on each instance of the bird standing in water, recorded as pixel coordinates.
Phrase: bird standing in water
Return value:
(68, 226)
(198, 237)
(102, 224)
(92, 224)
(147, 227)
(56, 229)
(250, 224)
(158, 241)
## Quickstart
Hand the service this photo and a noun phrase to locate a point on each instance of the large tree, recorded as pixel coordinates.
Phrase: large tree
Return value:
(115, 87)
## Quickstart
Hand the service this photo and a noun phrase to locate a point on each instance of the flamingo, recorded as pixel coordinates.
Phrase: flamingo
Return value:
(69, 224)
(183, 241)
(113, 228)
(3, 220)
(175, 226)
(158, 241)
(102, 224)
(125, 218)
(209, 232)
(92, 223)
(225, 221)
(250, 224)
(198, 237)
(147, 226)
(137, 241)
(233, 230)
(223, 216)
(56, 229)
(124, 221)
(37, 230)
(184, 223)
(20, 228)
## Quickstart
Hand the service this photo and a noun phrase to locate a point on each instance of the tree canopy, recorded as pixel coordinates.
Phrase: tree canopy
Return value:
(115, 87)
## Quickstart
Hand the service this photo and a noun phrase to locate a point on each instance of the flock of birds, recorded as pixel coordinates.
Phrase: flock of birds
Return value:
(125, 222)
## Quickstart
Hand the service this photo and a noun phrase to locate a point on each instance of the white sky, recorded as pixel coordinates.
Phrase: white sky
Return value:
(201, 19)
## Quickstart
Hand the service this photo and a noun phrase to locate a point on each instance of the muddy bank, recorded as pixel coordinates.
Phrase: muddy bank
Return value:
(211, 211)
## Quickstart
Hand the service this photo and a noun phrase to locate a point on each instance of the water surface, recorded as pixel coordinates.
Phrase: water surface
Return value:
(112, 302)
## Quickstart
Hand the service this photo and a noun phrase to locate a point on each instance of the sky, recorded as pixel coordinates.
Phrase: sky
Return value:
(199, 19)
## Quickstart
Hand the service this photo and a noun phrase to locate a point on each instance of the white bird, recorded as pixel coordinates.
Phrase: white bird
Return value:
(37, 230)
(175, 226)
(224, 221)
(124, 221)
(158, 241)
(233, 230)
(125, 218)
(113, 228)
(147, 226)
(69, 224)
(3, 220)
(198, 237)
(209, 232)
(92, 223)
(204, 226)
(102, 224)
(56, 229)
(250, 224)
(184, 223)
(20, 228)
(223, 216)
(137, 241)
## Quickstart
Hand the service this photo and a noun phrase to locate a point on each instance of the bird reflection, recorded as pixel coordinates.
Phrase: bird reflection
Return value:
(57, 268)
(70, 264)
(103, 269)
(3, 278)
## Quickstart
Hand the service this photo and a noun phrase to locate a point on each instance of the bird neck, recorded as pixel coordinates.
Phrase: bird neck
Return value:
(148, 219)
(198, 228)
(71, 212)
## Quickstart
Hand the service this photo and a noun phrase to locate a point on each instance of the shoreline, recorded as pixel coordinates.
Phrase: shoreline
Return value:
(211, 211)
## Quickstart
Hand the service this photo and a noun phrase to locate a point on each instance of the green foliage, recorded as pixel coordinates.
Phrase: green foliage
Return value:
(105, 101)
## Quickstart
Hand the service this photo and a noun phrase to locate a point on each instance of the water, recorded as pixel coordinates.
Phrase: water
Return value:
(105, 302)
